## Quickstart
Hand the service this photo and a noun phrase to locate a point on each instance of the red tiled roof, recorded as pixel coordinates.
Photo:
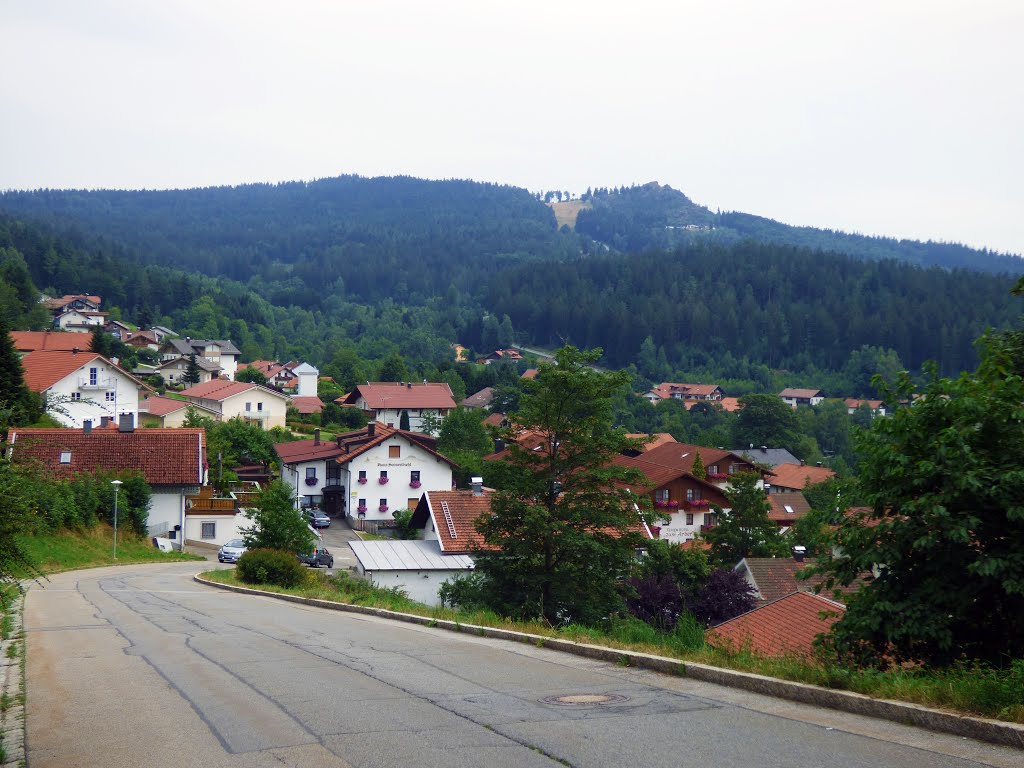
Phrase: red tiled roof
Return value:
(775, 577)
(300, 451)
(164, 456)
(659, 439)
(464, 509)
(787, 626)
(787, 507)
(801, 393)
(44, 368)
(390, 395)
(668, 389)
(495, 419)
(479, 400)
(852, 402)
(530, 373)
(730, 404)
(161, 406)
(799, 475)
(222, 389)
(306, 404)
(60, 341)
(356, 443)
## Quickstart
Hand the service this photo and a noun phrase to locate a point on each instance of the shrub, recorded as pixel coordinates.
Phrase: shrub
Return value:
(271, 566)
(725, 595)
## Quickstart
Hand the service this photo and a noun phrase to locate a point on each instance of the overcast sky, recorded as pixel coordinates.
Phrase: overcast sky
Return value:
(900, 117)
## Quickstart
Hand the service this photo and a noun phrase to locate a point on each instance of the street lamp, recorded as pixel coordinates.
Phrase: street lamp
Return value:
(117, 487)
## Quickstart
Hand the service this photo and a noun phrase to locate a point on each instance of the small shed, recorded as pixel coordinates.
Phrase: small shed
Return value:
(417, 567)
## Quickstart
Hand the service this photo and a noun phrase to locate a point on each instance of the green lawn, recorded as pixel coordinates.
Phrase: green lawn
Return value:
(69, 550)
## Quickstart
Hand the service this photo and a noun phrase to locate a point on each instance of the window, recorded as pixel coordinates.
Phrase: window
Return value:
(383, 476)
(248, 406)
(259, 406)
(411, 503)
(661, 495)
(65, 457)
(691, 494)
(209, 531)
(713, 469)
(732, 469)
(76, 395)
(710, 518)
(110, 397)
(362, 475)
(310, 473)
(394, 451)
(383, 502)
(414, 476)
(93, 376)
(689, 518)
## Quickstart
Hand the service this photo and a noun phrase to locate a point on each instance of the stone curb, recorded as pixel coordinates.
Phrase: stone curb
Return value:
(982, 729)
(12, 722)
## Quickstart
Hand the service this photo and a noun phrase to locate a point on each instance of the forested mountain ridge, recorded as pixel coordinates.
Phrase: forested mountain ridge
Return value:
(406, 266)
(639, 218)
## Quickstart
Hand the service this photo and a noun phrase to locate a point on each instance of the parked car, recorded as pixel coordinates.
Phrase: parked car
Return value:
(319, 556)
(317, 518)
(231, 551)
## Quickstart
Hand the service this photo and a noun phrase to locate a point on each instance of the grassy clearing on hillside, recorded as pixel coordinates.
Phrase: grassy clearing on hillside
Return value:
(69, 550)
(967, 689)
(567, 212)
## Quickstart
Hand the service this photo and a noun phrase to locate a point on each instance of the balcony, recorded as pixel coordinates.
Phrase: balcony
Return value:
(256, 415)
(100, 382)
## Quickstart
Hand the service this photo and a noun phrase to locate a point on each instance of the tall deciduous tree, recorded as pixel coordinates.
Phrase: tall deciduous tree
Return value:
(944, 532)
(250, 375)
(745, 530)
(563, 526)
(764, 420)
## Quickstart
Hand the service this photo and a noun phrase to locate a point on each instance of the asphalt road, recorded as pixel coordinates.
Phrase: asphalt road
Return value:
(141, 666)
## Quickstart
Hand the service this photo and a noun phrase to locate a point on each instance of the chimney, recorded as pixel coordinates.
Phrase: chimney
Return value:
(74, 351)
(478, 485)
(818, 464)
(104, 422)
(126, 422)
(799, 552)
(87, 426)
(764, 449)
(371, 429)
(802, 462)
(499, 445)
(316, 436)
(410, 385)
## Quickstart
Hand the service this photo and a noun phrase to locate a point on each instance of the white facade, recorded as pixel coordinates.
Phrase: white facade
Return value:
(362, 477)
(393, 416)
(418, 568)
(263, 406)
(93, 391)
(308, 379)
(308, 479)
(204, 528)
(74, 320)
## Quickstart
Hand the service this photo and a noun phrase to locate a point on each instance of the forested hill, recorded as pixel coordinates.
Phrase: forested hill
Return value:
(654, 216)
(302, 242)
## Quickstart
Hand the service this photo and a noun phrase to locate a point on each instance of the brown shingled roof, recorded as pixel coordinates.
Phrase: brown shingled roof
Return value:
(393, 394)
(799, 475)
(222, 389)
(787, 626)
(164, 456)
(786, 508)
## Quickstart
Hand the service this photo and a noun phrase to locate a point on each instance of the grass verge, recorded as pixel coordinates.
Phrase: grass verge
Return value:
(970, 689)
(70, 550)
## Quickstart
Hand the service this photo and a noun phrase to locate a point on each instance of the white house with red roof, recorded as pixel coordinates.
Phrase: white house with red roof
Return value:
(79, 320)
(795, 397)
(668, 390)
(173, 461)
(156, 411)
(365, 475)
(82, 386)
(387, 401)
(240, 400)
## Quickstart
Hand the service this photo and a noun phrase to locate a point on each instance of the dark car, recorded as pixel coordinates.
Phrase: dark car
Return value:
(319, 556)
(317, 518)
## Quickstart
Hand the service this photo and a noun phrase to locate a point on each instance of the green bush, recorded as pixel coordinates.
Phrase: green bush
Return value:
(271, 566)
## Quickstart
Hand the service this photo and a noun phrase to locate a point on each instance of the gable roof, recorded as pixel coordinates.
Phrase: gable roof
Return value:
(730, 404)
(60, 341)
(299, 451)
(800, 475)
(67, 298)
(787, 626)
(464, 508)
(306, 404)
(770, 457)
(852, 402)
(45, 368)
(164, 456)
(481, 399)
(787, 508)
(190, 346)
(658, 439)
(800, 393)
(201, 362)
(407, 556)
(350, 445)
(668, 390)
(392, 394)
(775, 577)
(222, 389)
(161, 406)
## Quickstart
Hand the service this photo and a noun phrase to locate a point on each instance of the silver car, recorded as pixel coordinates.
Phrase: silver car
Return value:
(231, 551)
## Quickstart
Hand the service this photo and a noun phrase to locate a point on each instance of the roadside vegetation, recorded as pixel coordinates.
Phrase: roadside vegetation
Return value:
(67, 550)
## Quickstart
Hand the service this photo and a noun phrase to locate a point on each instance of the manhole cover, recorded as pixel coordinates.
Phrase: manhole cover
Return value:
(585, 699)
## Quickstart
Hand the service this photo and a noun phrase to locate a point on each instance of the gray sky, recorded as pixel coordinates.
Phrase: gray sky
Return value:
(902, 117)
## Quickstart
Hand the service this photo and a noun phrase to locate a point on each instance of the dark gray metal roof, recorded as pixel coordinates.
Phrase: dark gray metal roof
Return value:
(771, 457)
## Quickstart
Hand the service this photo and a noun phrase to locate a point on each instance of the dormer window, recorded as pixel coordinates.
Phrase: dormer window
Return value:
(65, 457)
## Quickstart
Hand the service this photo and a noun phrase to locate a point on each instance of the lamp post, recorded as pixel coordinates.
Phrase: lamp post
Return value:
(117, 487)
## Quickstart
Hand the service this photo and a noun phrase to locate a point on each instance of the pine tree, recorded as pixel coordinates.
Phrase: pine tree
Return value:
(18, 405)
(698, 470)
(192, 373)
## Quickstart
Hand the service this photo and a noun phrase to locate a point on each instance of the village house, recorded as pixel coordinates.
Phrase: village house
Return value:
(481, 399)
(156, 411)
(212, 520)
(418, 568)
(82, 386)
(172, 461)
(686, 392)
(279, 375)
(305, 381)
(174, 371)
(786, 508)
(387, 401)
(253, 403)
(221, 353)
(788, 478)
(767, 457)
(877, 407)
(797, 397)
(80, 301)
(501, 354)
(365, 475)
(79, 320)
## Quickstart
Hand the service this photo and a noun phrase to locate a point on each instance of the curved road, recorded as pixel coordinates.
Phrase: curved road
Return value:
(141, 666)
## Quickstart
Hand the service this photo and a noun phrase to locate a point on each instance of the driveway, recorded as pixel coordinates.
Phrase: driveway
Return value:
(141, 666)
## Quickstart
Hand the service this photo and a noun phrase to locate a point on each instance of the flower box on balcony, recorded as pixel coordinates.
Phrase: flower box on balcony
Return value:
(382, 508)
(718, 476)
(414, 484)
(362, 481)
(697, 503)
(311, 481)
(673, 503)
(382, 480)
